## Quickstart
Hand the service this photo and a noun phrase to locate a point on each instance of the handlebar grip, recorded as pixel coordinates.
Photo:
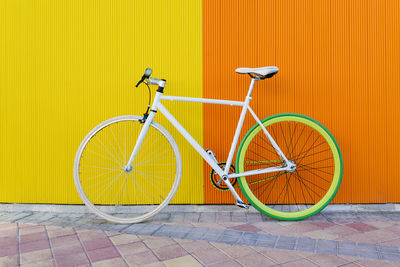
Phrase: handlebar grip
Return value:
(148, 72)
(146, 75)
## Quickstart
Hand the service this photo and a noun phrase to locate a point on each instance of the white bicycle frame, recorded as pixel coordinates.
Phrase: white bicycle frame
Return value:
(223, 173)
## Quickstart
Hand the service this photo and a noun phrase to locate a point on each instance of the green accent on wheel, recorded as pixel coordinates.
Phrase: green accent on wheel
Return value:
(336, 155)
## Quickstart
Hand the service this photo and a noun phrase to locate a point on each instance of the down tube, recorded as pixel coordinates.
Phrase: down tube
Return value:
(190, 139)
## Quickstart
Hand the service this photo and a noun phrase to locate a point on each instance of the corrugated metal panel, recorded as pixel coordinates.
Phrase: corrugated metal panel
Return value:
(68, 65)
(339, 65)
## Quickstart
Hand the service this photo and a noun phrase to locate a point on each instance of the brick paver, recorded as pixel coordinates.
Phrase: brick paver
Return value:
(197, 239)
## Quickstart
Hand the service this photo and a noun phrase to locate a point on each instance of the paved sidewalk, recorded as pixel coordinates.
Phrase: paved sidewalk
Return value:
(239, 238)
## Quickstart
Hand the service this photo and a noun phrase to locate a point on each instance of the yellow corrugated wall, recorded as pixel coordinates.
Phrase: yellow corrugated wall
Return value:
(67, 65)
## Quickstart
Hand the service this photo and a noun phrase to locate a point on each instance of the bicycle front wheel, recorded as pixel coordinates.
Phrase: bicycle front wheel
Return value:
(115, 194)
(290, 195)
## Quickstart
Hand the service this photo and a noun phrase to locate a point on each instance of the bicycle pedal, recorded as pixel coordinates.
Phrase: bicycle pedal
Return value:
(242, 205)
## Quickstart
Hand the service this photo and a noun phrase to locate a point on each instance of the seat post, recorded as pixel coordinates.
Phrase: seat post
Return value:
(253, 80)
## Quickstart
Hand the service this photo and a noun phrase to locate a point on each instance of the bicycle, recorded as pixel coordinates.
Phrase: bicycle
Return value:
(128, 168)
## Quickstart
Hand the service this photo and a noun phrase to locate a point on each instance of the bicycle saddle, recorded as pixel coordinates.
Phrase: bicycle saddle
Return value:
(262, 73)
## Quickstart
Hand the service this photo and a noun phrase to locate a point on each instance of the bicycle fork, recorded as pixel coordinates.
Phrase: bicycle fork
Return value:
(145, 129)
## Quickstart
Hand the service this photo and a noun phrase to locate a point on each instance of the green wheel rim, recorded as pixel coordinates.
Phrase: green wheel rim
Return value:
(324, 201)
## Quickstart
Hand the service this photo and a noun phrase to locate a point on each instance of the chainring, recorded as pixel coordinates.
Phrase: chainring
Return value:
(215, 179)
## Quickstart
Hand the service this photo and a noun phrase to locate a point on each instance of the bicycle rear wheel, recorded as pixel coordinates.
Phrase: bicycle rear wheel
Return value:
(117, 195)
(290, 195)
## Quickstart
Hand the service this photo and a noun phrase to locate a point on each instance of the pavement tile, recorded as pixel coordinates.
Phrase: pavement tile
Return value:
(186, 261)
(18, 216)
(33, 237)
(111, 233)
(390, 256)
(234, 251)
(286, 242)
(45, 263)
(112, 227)
(327, 246)
(131, 248)
(124, 239)
(239, 217)
(177, 217)
(59, 232)
(370, 254)
(8, 232)
(39, 255)
(169, 252)
(371, 237)
(30, 229)
(223, 217)
(347, 245)
(254, 217)
(34, 245)
(394, 229)
(256, 260)
(374, 263)
(389, 249)
(296, 229)
(149, 229)
(141, 258)
(66, 240)
(90, 234)
(367, 247)
(116, 262)
(395, 242)
(207, 217)
(192, 246)
(159, 242)
(361, 227)
(341, 230)
(322, 225)
(134, 228)
(102, 254)
(306, 244)
(67, 250)
(269, 227)
(351, 264)
(155, 264)
(215, 225)
(191, 217)
(299, 263)
(75, 259)
(209, 256)
(246, 228)
(347, 252)
(279, 256)
(267, 241)
(9, 261)
(327, 260)
(379, 224)
(321, 234)
(225, 263)
(96, 243)
(8, 241)
(9, 251)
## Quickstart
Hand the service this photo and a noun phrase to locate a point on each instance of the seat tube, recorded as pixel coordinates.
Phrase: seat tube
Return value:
(239, 127)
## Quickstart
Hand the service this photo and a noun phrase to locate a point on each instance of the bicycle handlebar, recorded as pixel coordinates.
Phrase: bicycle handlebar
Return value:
(151, 80)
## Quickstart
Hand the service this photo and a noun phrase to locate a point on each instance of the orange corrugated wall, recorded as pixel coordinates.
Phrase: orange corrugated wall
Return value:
(339, 63)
